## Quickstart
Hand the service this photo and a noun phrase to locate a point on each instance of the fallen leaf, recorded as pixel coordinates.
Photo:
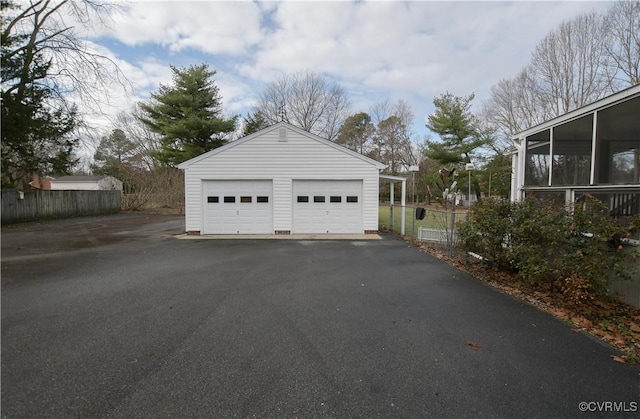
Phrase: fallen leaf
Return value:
(582, 322)
(634, 328)
(559, 312)
(618, 359)
(475, 345)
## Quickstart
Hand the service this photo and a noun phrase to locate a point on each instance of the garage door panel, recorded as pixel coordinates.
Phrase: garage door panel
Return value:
(315, 211)
(237, 207)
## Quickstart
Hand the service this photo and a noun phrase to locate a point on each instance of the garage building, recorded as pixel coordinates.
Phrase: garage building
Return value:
(281, 180)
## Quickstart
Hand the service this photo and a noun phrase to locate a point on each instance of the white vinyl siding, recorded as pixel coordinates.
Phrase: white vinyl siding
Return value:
(107, 183)
(75, 186)
(265, 157)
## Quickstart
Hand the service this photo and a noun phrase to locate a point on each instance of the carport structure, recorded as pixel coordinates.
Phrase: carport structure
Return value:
(403, 198)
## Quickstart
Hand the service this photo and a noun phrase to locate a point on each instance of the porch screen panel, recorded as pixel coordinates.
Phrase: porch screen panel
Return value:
(618, 144)
(572, 152)
(537, 160)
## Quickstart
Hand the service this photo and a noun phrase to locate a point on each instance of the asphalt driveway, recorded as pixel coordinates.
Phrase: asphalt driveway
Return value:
(120, 319)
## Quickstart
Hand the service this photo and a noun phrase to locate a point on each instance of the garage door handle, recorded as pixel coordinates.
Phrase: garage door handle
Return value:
(238, 212)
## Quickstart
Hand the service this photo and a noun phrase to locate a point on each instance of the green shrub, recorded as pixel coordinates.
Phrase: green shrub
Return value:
(487, 231)
(571, 250)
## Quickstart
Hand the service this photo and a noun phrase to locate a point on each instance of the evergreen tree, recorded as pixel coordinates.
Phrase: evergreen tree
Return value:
(254, 122)
(187, 115)
(36, 129)
(117, 156)
(114, 151)
(460, 132)
(356, 132)
(496, 176)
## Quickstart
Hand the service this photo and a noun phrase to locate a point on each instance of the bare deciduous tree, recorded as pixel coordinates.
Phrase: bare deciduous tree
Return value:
(306, 100)
(407, 151)
(147, 142)
(75, 68)
(622, 27)
(571, 66)
(150, 184)
(574, 65)
(515, 104)
(392, 140)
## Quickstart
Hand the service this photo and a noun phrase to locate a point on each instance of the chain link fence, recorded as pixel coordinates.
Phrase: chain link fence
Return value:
(438, 228)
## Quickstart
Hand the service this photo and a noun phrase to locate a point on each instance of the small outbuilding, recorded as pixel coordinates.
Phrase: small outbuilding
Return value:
(281, 180)
(85, 183)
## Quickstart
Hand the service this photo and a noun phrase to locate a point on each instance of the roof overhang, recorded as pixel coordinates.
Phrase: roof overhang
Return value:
(393, 178)
(580, 112)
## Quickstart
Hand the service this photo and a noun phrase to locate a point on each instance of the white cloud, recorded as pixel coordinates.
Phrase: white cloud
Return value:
(428, 47)
(377, 50)
(237, 95)
(210, 27)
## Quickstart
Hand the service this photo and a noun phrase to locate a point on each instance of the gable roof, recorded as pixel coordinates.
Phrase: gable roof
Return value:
(271, 128)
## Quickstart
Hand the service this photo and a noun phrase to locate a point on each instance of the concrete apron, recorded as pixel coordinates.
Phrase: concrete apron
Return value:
(280, 237)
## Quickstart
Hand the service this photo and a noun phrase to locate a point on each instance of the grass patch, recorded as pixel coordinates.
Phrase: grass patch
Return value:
(435, 218)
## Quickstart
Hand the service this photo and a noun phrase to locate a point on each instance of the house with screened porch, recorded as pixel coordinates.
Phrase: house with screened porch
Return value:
(592, 150)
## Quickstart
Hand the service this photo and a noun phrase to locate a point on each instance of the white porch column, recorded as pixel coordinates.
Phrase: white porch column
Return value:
(403, 205)
(391, 202)
(594, 138)
(403, 202)
(391, 191)
(515, 170)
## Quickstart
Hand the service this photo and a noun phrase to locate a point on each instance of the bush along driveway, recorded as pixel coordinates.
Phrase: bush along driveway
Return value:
(560, 261)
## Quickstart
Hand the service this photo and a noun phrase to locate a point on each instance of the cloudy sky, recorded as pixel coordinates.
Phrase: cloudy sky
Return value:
(377, 50)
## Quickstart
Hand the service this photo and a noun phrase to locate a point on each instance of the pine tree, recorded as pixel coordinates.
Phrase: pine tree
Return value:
(254, 122)
(356, 132)
(459, 130)
(119, 157)
(187, 115)
(36, 128)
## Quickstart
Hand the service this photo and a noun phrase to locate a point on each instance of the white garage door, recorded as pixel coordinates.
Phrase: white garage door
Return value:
(327, 206)
(237, 207)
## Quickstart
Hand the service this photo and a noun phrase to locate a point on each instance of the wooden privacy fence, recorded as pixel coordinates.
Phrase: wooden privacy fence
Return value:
(43, 204)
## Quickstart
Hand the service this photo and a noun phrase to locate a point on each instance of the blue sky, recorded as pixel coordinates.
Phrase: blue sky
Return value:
(380, 50)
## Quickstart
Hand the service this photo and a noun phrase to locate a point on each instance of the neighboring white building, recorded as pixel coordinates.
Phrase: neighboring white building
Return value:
(86, 183)
(281, 180)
